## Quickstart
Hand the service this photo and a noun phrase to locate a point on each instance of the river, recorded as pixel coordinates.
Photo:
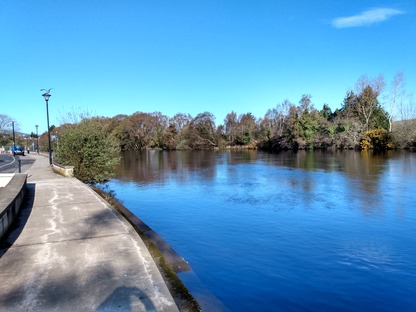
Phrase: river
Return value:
(305, 231)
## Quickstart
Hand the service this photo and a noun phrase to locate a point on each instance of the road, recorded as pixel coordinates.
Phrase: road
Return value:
(10, 163)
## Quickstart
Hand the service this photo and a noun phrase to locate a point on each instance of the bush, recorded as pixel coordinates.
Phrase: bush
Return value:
(404, 133)
(377, 139)
(89, 147)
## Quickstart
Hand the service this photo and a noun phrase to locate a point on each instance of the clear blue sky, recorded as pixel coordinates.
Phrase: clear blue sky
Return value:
(119, 57)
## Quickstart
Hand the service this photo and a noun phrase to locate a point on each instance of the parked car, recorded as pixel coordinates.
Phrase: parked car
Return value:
(18, 150)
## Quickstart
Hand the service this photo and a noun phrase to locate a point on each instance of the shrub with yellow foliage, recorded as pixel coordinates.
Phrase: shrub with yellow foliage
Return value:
(377, 139)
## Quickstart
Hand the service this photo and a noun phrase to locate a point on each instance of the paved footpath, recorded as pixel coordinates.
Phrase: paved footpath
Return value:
(72, 252)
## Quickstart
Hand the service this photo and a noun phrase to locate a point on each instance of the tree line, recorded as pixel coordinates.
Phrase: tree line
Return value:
(362, 122)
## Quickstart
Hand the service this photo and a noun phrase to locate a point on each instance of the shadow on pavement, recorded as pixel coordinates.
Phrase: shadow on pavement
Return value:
(127, 299)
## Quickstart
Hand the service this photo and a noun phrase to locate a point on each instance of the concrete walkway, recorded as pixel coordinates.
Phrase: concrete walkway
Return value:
(72, 252)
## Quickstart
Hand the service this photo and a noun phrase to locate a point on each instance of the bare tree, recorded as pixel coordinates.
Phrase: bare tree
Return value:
(202, 134)
(368, 92)
(274, 120)
(395, 97)
(143, 129)
(180, 120)
(73, 116)
(231, 123)
(5, 123)
(407, 108)
(5, 129)
(245, 128)
(160, 123)
(305, 104)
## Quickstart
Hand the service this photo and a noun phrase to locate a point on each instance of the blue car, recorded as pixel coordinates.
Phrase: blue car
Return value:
(18, 150)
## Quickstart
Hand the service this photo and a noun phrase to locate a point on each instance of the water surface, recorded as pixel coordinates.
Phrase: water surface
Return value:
(306, 231)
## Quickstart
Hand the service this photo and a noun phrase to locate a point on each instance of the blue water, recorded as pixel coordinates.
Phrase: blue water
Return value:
(307, 231)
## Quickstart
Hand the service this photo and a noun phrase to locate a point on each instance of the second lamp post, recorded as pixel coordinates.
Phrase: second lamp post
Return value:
(47, 95)
(37, 139)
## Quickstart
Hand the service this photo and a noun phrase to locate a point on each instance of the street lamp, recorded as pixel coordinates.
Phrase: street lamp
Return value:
(37, 138)
(14, 139)
(57, 140)
(46, 95)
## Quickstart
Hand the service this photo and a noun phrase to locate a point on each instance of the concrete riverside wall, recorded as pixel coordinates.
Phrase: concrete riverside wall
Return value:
(11, 198)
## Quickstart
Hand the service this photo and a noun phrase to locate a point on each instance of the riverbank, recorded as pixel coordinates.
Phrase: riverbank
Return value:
(71, 250)
(167, 260)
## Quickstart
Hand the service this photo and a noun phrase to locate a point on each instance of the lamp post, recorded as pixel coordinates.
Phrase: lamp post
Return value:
(57, 140)
(14, 139)
(46, 95)
(37, 138)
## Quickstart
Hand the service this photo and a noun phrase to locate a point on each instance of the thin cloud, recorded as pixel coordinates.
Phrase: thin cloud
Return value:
(365, 18)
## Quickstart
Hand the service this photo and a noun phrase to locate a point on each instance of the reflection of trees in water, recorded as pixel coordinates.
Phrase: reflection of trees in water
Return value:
(239, 157)
(363, 169)
(149, 166)
(155, 166)
(352, 178)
